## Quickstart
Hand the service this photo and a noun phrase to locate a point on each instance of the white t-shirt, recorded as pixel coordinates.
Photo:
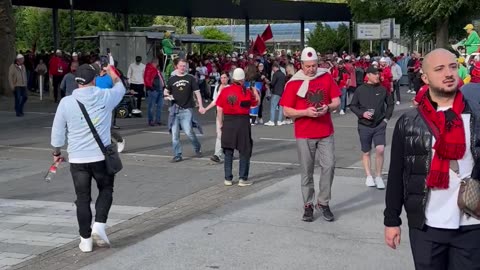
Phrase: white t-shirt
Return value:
(442, 209)
(135, 73)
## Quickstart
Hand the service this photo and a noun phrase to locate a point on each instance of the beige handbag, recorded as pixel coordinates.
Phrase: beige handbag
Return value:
(469, 195)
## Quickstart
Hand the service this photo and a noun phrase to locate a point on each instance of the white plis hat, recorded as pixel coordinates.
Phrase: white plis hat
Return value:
(238, 74)
(309, 54)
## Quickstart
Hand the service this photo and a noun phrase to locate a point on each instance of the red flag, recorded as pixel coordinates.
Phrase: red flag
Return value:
(267, 34)
(259, 46)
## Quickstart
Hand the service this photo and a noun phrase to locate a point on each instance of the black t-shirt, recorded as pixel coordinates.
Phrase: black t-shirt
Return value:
(182, 88)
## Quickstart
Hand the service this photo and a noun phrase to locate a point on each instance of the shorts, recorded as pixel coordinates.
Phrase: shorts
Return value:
(368, 135)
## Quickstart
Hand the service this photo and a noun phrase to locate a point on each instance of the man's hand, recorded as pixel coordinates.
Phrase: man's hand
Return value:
(112, 73)
(392, 236)
(202, 110)
(323, 110)
(367, 115)
(311, 112)
(57, 159)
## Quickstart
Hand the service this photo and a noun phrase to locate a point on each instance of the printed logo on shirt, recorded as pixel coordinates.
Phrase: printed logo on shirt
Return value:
(315, 98)
(232, 99)
(181, 84)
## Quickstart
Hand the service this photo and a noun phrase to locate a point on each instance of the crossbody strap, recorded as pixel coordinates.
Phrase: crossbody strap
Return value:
(92, 127)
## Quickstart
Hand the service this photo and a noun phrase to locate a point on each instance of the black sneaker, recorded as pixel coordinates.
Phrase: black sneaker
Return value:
(215, 159)
(327, 214)
(115, 127)
(176, 159)
(198, 154)
(308, 215)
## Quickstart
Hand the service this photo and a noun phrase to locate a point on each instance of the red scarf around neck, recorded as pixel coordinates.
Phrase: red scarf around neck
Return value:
(447, 127)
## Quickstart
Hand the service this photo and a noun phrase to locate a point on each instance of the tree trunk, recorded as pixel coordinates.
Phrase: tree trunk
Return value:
(7, 44)
(441, 33)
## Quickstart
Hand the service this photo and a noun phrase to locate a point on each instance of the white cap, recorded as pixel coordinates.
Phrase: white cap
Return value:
(241, 57)
(384, 59)
(74, 54)
(234, 59)
(58, 51)
(250, 56)
(374, 63)
(238, 74)
(309, 54)
(367, 57)
(19, 56)
(348, 57)
(228, 56)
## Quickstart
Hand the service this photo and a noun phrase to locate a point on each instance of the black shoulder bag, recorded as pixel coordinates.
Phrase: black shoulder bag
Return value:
(113, 163)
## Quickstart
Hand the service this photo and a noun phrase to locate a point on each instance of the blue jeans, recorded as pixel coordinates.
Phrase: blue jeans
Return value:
(183, 119)
(20, 99)
(275, 99)
(154, 98)
(244, 166)
(343, 99)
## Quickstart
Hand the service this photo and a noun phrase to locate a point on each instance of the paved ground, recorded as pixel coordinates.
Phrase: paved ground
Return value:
(176, 201)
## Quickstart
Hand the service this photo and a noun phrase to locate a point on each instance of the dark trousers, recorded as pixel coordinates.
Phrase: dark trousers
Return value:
(82, 175)
(411, 77)
(244, 167)
(441, 249)
(57, 80)
(139, 88)
(20, 99)
(396, 89)
(260, 108)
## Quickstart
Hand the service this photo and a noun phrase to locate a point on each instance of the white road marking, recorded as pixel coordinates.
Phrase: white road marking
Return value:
(41, 113)
(277, 139)
(168, 133)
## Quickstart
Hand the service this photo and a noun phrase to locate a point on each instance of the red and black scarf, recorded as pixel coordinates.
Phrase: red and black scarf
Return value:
(447, 127)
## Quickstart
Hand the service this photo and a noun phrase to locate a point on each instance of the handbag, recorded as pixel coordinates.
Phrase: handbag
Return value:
(469, 194)
(113, 163)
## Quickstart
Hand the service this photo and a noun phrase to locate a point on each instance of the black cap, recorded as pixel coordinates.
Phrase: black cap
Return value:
(372, 69)
(86, 73)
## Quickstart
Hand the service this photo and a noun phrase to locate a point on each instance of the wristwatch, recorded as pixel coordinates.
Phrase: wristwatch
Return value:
(56, 153)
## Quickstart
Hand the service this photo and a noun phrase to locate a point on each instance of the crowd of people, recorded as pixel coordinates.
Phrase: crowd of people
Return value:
(306, 88)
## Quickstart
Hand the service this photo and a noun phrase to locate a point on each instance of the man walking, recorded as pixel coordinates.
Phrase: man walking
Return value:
(68, 83)
(85, 157)
(397, 75)
(411, 72)
(277, 86)
(369, 104)
(309, 98)
(17, 78)
(180, 89)
(57, 69)
(135, 77)
(435, 147)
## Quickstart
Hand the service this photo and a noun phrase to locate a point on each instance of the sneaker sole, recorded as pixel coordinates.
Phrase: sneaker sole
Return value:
(99, 242)
(329, 219)
(307, 219)
(380, 188)
(244, 185)
(228, 184)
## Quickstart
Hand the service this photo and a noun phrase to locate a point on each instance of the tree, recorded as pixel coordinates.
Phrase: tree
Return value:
(214, 33)
(325, 39)
(424, 17)
(7, 44)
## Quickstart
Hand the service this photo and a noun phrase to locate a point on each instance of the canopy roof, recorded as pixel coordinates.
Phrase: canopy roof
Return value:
(252, 9)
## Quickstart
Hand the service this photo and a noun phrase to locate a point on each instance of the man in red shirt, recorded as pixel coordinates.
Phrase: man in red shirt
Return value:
(309, 97)
(386, 77)
(57, 69)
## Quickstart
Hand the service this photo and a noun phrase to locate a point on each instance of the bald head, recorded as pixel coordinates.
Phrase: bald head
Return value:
(435, 57)
(440, 72)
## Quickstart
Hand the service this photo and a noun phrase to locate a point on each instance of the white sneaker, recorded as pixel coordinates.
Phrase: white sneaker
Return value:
(244, 183)
(409, 91)
(99, 235)
(398, 103)
(281, 123)
(379, 182)
(260, 121)
(369, 182)
(413, 93)
(342, 112)
(86, 245)
(228, 183)
(270, 124)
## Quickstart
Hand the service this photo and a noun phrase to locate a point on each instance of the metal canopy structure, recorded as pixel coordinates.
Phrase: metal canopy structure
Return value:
(245, 9)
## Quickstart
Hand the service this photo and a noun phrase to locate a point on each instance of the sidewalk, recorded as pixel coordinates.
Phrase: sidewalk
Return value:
(264, 231)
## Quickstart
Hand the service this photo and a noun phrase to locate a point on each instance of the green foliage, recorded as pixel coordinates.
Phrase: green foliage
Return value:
(214, 33)
(325, 39)
(34, 26)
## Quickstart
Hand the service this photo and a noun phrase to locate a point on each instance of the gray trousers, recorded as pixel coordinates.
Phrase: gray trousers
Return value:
(325, 150)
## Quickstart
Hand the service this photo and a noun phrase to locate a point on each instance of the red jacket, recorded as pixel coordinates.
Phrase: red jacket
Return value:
(57, 66)
(149, 75)
(386, 79)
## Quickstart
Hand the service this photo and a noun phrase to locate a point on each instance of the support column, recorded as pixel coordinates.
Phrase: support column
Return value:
(302, 33)
(350, 37)
(55, 28)
(247, 34)
(189, 31)
(72, 27)
(125, 22)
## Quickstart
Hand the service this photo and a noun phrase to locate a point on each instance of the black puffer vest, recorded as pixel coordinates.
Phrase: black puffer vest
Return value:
(418, 156)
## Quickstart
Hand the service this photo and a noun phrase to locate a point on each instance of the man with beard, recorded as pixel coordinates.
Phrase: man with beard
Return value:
(435, 147)
(309, 98)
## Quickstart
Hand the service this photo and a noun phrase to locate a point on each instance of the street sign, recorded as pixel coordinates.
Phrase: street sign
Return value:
(396, 31)
(387, 28)
(367, 31)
